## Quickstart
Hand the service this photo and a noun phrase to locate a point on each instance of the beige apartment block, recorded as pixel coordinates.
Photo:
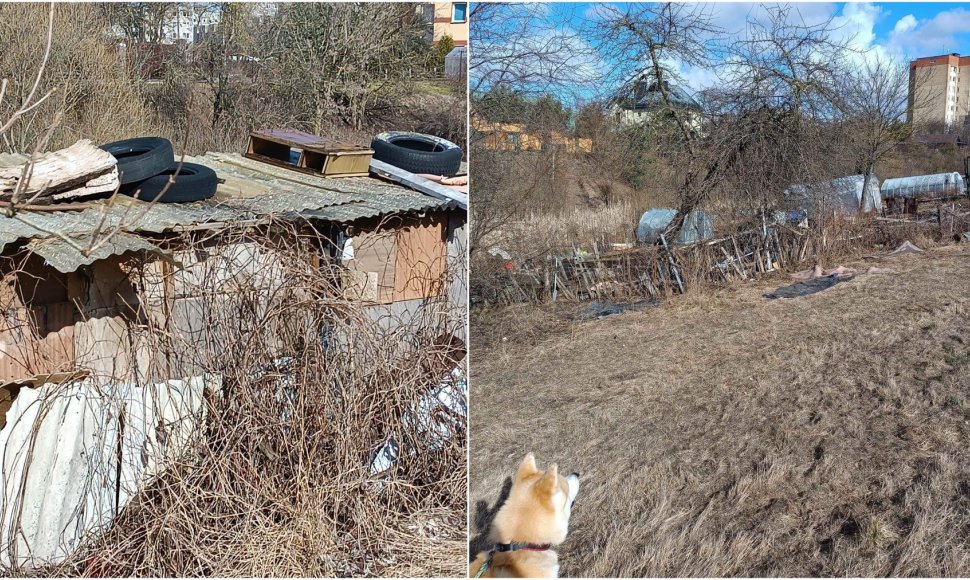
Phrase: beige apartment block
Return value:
(451, 19)
(939, 90)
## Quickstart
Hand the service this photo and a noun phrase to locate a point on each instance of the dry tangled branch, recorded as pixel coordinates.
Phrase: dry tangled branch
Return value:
(275, 476)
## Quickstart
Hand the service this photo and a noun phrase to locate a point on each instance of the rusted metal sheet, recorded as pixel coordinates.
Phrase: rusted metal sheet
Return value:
(75, 453)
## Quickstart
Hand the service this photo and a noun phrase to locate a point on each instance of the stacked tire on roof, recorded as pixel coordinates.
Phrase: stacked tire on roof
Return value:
(145, 165)
(417, 152)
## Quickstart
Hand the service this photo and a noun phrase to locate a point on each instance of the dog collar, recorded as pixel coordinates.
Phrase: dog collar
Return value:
(516, 547)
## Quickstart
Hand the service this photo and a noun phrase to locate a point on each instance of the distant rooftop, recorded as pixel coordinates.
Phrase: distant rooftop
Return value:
(644, 95)
(952, 59)
(939, 139)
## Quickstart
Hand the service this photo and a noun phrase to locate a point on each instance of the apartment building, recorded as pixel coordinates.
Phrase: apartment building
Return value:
(451, 19)
(189, 22)
(939, 91)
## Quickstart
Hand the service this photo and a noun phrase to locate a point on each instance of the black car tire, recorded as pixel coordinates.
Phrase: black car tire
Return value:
(417, 152)
(141, 157)
(193, 182)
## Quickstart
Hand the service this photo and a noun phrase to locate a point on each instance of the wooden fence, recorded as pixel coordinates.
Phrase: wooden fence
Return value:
(659, 271)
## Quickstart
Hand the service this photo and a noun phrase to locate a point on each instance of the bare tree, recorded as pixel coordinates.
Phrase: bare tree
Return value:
(782, 91)
(875, 98)
(522, 47)
(660, 36)
(780, 82)
(520, 52)
(338, 60)
(140, 21)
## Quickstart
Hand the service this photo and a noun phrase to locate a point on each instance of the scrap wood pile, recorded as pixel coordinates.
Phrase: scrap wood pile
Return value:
(77, 172)
(653, 271)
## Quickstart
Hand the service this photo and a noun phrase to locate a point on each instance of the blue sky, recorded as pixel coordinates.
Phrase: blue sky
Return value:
(907, 29)
(899, 31)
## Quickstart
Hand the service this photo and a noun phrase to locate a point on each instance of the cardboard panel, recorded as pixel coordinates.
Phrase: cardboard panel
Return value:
(421, 262)
(375, 253)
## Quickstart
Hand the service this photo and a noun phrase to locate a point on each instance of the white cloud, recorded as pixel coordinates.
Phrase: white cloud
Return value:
(905, 24)
(853, 23)
(930, 37)
(857, 24)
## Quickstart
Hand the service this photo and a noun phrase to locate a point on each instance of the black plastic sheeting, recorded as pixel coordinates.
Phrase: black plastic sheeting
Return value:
(603, 309)
(807, 287)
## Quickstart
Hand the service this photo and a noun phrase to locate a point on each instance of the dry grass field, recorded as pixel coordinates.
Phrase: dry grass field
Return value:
(726, 434)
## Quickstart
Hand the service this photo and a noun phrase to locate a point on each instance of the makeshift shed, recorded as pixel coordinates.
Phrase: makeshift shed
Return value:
(842, 195)
(697, 226)
(924, 186)
(73, 358)
(395, 246)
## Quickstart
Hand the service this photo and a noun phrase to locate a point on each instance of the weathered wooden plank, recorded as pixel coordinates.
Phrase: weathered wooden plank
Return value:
(81, 166)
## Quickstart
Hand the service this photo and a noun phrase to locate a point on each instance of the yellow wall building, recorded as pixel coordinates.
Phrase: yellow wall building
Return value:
(451, 19)
(514, 137)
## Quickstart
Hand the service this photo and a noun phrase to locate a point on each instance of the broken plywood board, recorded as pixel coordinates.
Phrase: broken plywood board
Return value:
(376, 252)
(421, 260)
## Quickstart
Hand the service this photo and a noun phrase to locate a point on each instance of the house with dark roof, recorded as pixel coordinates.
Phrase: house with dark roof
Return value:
(643, 99)
(940, 140)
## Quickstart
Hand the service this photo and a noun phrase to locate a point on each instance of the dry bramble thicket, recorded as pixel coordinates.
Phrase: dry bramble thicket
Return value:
(348, 71)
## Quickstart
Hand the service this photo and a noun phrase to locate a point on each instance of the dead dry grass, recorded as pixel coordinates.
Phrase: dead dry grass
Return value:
(725, 434)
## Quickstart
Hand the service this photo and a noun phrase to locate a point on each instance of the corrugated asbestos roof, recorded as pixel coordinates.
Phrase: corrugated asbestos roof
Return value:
(252, 192)
(65, 257)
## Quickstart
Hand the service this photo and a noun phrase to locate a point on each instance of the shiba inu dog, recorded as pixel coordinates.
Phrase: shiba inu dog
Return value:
(533, 519)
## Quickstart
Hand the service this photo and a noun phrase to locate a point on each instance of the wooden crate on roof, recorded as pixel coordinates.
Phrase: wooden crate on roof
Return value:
(309, 153)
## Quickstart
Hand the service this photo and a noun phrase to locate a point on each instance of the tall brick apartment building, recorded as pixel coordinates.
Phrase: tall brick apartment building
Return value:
(939, 90)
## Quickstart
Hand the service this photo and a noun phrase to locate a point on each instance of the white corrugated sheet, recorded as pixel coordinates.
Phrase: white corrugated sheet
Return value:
(65, 470)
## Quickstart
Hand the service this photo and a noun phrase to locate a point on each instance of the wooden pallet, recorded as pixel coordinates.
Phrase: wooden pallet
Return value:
(316, 155)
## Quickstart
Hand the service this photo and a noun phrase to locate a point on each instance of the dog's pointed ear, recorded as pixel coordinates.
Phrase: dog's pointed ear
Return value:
(550, 480)
(527, 467)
